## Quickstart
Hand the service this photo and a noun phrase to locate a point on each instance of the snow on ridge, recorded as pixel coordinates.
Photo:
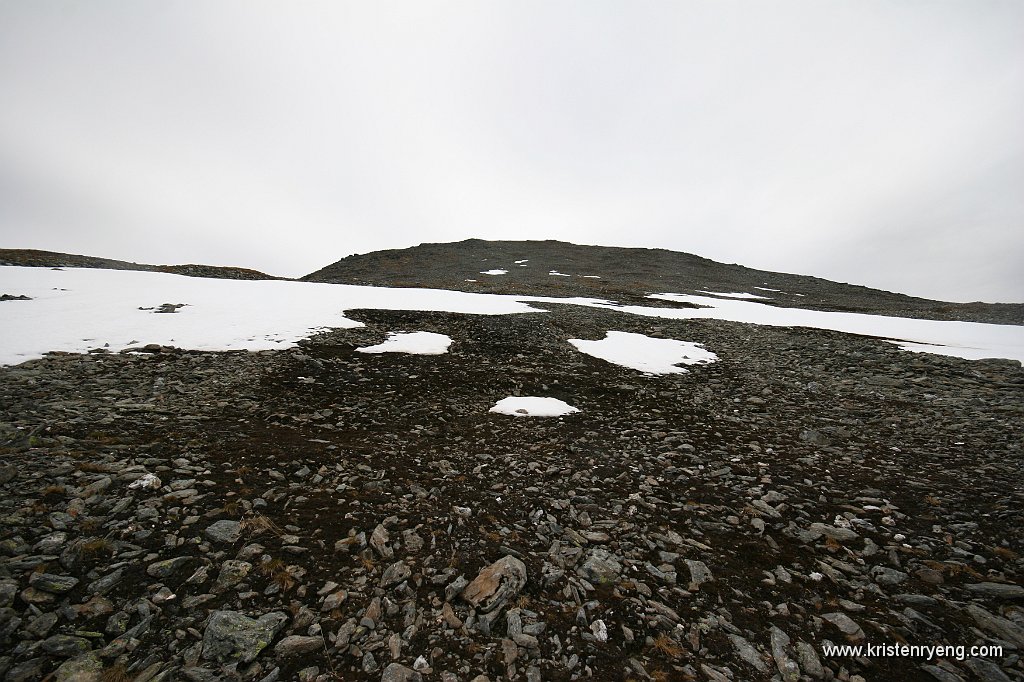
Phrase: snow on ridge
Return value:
(532, 406)
(645, 353)
(417, 343)
(79, 309)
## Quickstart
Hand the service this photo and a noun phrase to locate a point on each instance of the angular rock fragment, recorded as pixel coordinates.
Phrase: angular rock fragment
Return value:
(600, 567)
(496, 584)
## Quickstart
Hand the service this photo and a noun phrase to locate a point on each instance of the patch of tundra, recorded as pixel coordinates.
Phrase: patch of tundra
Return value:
(417, 343)
(645, 353)
(532, 406)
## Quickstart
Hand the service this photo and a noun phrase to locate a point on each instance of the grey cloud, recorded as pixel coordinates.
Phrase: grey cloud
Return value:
(873, 142)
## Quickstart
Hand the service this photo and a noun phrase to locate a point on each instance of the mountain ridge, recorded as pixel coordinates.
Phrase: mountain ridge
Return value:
(623, 274)
(639, 271)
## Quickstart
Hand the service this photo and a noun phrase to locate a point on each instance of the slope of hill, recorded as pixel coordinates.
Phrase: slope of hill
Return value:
(52, 259)
(552, 268)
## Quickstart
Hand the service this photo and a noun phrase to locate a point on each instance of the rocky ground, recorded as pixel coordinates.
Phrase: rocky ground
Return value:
(320, 514)
(627, 275)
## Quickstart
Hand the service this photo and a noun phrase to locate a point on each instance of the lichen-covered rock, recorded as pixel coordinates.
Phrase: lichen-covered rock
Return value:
(231, 636)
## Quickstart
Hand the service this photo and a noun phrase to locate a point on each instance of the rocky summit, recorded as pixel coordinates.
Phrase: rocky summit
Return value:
(320, 513)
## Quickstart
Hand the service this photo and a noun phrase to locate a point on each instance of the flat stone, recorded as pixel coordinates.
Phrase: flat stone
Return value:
(883, 575)
(846, 625)
(396, 672)
(85, 668)
(167, 567)
(232, 636)
(840, 534)
(748, 653)
(225, 531)
(49, 582)
(297, 645)
(997, 590)
(998, 626)
(65, 646)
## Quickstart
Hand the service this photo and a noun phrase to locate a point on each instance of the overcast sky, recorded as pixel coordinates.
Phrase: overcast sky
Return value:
(879, 143)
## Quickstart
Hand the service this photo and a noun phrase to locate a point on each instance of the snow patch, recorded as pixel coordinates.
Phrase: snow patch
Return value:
(968, 340)
(734, 294)
(645, 353)
(418, 343)
(494, 272)
(520, 262)
(532, 406)
(556, 273)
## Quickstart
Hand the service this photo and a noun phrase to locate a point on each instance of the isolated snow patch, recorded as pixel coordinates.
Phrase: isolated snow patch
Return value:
(734, 294)
(645, 353)
(419, 343)
(494, 272)
(532, 406)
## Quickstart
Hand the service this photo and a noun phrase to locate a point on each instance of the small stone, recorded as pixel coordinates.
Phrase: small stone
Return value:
(395, 573)
(296, 645)
(846, 625)
(396, 672)
(225, 531)
(167, 567)
(232, 572)
(699, 572)
(840, 534)
(65, 646)
(600, 567)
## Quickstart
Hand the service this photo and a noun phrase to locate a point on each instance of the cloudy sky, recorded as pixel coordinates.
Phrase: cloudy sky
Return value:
(879, 143)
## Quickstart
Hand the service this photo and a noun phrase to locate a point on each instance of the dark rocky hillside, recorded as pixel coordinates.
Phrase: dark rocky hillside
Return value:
(51, 259)
(626, 275)
(319, 514)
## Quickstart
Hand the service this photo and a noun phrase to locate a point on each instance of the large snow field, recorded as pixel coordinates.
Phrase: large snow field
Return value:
(78, 309)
